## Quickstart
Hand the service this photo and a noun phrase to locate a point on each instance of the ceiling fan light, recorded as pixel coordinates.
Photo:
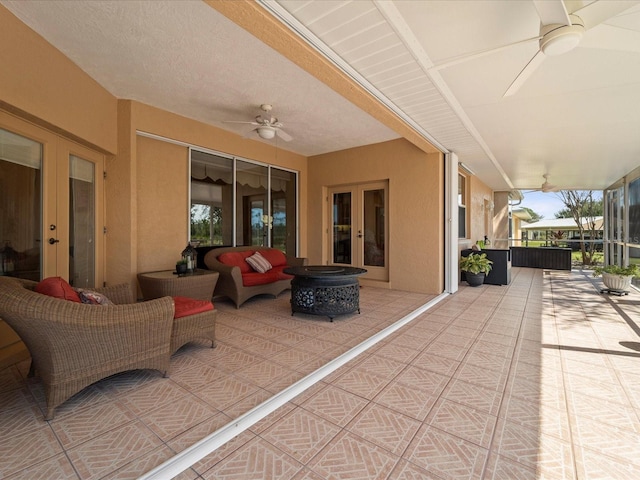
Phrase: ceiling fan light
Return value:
(561, 40)
(266, 132)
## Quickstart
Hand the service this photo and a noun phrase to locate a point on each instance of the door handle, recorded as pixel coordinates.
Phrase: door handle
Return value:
(53, 240)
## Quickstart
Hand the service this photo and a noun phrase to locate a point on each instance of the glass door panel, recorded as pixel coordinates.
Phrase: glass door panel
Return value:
(76, 237)
(251, 184)
(279, 230)
(256, 230)
(374, 227)
(283, 211)
(20, 206)
(342, 228)
(211, 199)
(82, 226)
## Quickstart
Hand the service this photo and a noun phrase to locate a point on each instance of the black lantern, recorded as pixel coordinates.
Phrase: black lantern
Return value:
(190, 255)
(8, 257)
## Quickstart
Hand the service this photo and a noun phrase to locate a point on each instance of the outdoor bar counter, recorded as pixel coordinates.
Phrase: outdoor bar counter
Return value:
(553, 258)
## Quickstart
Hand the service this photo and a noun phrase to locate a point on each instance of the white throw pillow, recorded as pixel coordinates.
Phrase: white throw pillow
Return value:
(259, 263)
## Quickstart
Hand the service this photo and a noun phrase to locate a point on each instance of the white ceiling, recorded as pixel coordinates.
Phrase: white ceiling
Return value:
(577, 117)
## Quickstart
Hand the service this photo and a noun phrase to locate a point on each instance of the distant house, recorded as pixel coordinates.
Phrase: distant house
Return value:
(559, 231)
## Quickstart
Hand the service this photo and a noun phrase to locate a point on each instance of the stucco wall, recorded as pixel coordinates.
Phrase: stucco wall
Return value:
(44, 86)
(162, 203)
(416, 258)
(480, 215)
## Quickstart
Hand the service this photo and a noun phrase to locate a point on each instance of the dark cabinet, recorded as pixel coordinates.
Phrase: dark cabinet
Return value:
(500, 273)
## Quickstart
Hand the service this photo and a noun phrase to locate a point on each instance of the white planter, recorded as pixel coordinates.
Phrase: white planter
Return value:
(617, 282)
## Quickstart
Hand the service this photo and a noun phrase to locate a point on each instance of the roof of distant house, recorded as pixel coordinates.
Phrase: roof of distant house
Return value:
(561, 224)
(521, 213)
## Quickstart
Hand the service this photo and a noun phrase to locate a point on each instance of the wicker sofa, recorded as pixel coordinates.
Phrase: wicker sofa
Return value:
(239, 282)
(73, 345)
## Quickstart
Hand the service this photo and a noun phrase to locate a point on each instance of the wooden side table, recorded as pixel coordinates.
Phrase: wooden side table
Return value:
(198, 285)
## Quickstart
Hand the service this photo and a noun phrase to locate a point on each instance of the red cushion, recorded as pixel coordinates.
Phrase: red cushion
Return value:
(237, 259)
(274, 256)
(280, 274)
(255, 278)
(58, 287)
(190, 306)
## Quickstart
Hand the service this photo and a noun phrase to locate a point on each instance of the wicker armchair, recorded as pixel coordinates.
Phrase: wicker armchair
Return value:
(73, 345)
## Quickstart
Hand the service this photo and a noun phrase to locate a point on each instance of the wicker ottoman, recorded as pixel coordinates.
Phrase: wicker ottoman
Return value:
(191, 327)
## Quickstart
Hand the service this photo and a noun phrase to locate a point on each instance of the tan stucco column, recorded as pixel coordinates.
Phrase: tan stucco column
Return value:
(501, 219)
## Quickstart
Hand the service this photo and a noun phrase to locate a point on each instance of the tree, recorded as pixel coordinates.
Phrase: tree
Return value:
(534, 216)
(583, 208)
(596, 208)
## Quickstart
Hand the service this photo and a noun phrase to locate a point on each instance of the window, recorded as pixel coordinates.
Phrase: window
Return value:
(462, 206)
(239, 202)
(622, 209)
(211, 199)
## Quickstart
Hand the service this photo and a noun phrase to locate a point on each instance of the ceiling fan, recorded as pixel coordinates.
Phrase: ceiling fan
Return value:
(561, 32)
(267, 126)
(547, 187)
(562, 27)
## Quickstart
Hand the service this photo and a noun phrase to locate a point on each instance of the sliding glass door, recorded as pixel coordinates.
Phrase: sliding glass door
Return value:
(238, 202)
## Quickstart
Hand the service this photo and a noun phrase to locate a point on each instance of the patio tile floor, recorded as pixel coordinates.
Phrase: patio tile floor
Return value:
(538, 379)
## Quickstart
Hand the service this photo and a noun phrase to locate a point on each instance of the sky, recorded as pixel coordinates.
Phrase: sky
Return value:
(545, 204)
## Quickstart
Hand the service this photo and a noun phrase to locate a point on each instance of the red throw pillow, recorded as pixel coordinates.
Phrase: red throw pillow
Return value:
(190, 306)
(237, 259)
(58, 287)
(274, 256)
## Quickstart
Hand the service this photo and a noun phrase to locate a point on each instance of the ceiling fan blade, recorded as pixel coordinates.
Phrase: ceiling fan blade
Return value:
(600, 11)
(284, 135)
(478, 54)
(607, 37)
(250, 133)
(237, 121)
(526, 72)
(552, 12)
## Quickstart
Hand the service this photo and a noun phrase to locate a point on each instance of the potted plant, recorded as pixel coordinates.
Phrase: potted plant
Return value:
(475, 266)
(617, 278)
(181, 266)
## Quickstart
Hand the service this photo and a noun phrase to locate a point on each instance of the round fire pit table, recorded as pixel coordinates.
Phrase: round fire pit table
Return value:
(325, 290)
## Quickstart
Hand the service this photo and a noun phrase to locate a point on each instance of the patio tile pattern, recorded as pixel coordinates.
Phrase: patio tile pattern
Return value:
(535, 380)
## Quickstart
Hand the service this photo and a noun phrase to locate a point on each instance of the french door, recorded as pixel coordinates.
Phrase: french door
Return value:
(51, 191)
(360, 225)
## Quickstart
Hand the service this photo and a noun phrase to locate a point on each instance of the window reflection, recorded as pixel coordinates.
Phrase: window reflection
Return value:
(265, 200)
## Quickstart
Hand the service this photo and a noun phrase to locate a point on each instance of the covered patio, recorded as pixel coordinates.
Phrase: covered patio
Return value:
(537, 379)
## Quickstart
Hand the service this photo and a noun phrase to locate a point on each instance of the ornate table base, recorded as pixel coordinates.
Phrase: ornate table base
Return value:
(320, 290)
